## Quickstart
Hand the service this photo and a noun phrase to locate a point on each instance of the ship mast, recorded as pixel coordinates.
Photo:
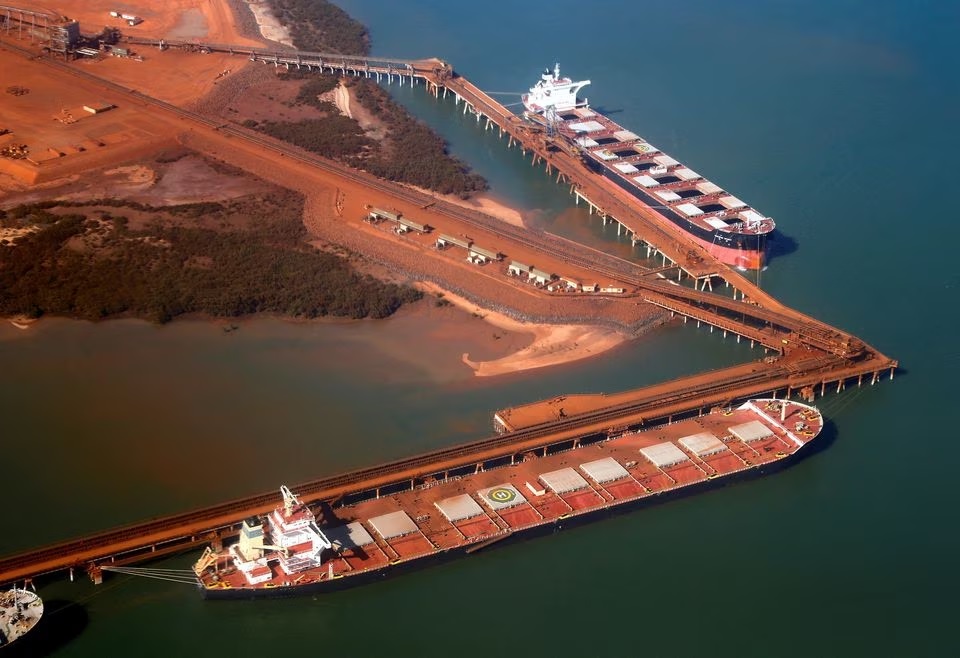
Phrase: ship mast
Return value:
(290, 501)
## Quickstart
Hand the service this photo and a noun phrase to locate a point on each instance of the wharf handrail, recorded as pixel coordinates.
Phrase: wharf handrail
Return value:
(770, 340)
(334, 58)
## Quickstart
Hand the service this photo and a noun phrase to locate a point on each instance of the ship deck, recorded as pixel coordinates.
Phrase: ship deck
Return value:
(536, 489)
(20, 612)
(646, 170)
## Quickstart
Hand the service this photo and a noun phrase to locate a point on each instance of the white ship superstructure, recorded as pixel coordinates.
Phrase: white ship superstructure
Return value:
(553, 92)
(287, 537)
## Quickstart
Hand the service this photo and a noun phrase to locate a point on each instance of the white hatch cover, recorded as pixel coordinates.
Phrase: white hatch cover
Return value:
(664, 454)
(717, 223)
(709, 188)
(586, 142)
(626, 168)
(702, 444)
(606, 155)
(501, 496)
(665, 160)
(626, 136)
(585, 126)
(564, 480)
(646, 181)
(685, 174)
(667, 195)
(731, 202)
(644, 147)
(458, 508)
(752, 431)
(689, 209)
(752, 216)
(347, 536)
(393, 525)
(604, 470)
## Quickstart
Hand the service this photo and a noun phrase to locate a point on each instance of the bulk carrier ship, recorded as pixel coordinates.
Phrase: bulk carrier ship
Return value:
(368, 534)
(728, 228)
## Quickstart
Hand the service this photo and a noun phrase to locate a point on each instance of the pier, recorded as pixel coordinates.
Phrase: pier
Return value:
(379, 68)
(527, 429)
(805, 357)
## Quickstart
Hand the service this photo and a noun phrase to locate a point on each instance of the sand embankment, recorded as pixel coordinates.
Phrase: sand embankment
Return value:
(552, 344)
(341, 98)
(268, 24)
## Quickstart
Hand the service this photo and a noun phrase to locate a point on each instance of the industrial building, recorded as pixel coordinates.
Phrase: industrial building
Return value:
(58, 34)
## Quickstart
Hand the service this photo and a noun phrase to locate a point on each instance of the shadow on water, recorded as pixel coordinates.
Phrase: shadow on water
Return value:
(828, 436)
(600, 109)
(62, 621)
(781, 245)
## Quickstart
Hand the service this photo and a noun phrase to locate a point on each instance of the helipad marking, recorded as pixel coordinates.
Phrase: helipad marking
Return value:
(501, 495)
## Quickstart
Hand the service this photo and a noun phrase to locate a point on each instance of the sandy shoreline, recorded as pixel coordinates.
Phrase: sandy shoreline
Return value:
(552, 344)
(343, 97)
(268, 24)
(490, 206)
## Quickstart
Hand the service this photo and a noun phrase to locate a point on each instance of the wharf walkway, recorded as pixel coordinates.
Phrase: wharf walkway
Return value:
(336, 63)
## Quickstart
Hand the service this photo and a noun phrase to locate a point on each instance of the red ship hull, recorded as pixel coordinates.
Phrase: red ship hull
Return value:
(744, 259)
(411, 524)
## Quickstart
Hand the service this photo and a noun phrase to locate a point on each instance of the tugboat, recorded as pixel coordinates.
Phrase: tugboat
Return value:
(20, 611)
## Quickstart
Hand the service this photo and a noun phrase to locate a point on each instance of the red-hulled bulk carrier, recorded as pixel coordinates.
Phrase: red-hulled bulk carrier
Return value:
(369, 534)
(728, 228)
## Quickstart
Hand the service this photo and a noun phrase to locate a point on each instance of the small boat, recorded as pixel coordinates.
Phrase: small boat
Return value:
(20, 611)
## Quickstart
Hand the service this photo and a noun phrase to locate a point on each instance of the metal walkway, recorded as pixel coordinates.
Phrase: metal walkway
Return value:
(357, 65)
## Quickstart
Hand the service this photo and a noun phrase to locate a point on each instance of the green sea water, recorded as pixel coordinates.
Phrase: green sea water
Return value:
(836, 118)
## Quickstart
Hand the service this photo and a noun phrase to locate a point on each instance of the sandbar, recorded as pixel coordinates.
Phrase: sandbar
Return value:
(553, 344)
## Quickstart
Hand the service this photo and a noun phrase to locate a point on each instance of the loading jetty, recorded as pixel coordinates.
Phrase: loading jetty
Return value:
(804, 356)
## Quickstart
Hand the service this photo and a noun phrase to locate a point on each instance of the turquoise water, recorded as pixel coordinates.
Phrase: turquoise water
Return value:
(835, 118)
